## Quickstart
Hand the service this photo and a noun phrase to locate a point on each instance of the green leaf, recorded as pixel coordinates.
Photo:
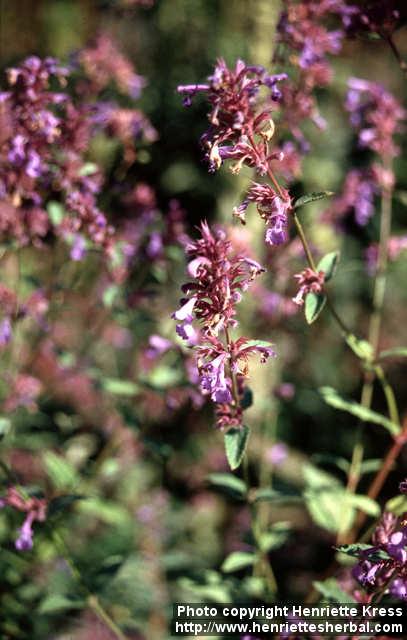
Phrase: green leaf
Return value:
(56, 603)
(258, 343)
(356, 549)
(365, 504)
(163, 377)
(88, 169)
(110, 294)
(397, 505)
(370, 466)
(353, 550)
(326, 500)
(328, 458)
(312, 197)
(332, 398)
(275, 537)
(328, 264)
(247, 398)
(316, 478)
(362, 348)
(5, 424)
(120, 387)
(331, 590)
(61, 473)
(229, 484)
(62, 503)
(396, 352)
(56, 212)
(238, 560)
(314, 303)
(235, 445)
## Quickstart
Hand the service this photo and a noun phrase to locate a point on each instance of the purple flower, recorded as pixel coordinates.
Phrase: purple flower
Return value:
(213, 380)
(157, 346)
(277, 453)
(398, 588)
(155, 245)
(376, 114)
(78, 249)
(6, 332)
(403, 486)
(24, 541)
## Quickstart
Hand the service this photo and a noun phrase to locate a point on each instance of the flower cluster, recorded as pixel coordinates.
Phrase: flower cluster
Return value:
(34, 508)
(272, 207)
(309, 281)
(356, 200)
(301, 28)
(44, 142)
(104, 63)
(395, 246)
(307, 42)
(237, 115)
(376, 115)
(219, 278)
(384, 564)
(378, 16)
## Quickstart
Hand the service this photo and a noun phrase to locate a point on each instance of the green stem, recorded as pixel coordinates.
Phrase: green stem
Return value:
(235, 391)
(374, 337)
(91, 599)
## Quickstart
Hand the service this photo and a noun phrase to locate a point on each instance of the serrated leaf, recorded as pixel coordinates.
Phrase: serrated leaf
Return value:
(238, 560)
(331, 590)
(229, 484)
(314, 303)
(332, 398)
(396, 352)
(312, 197)
(328, 264)
(235, 445)
(120, 387)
